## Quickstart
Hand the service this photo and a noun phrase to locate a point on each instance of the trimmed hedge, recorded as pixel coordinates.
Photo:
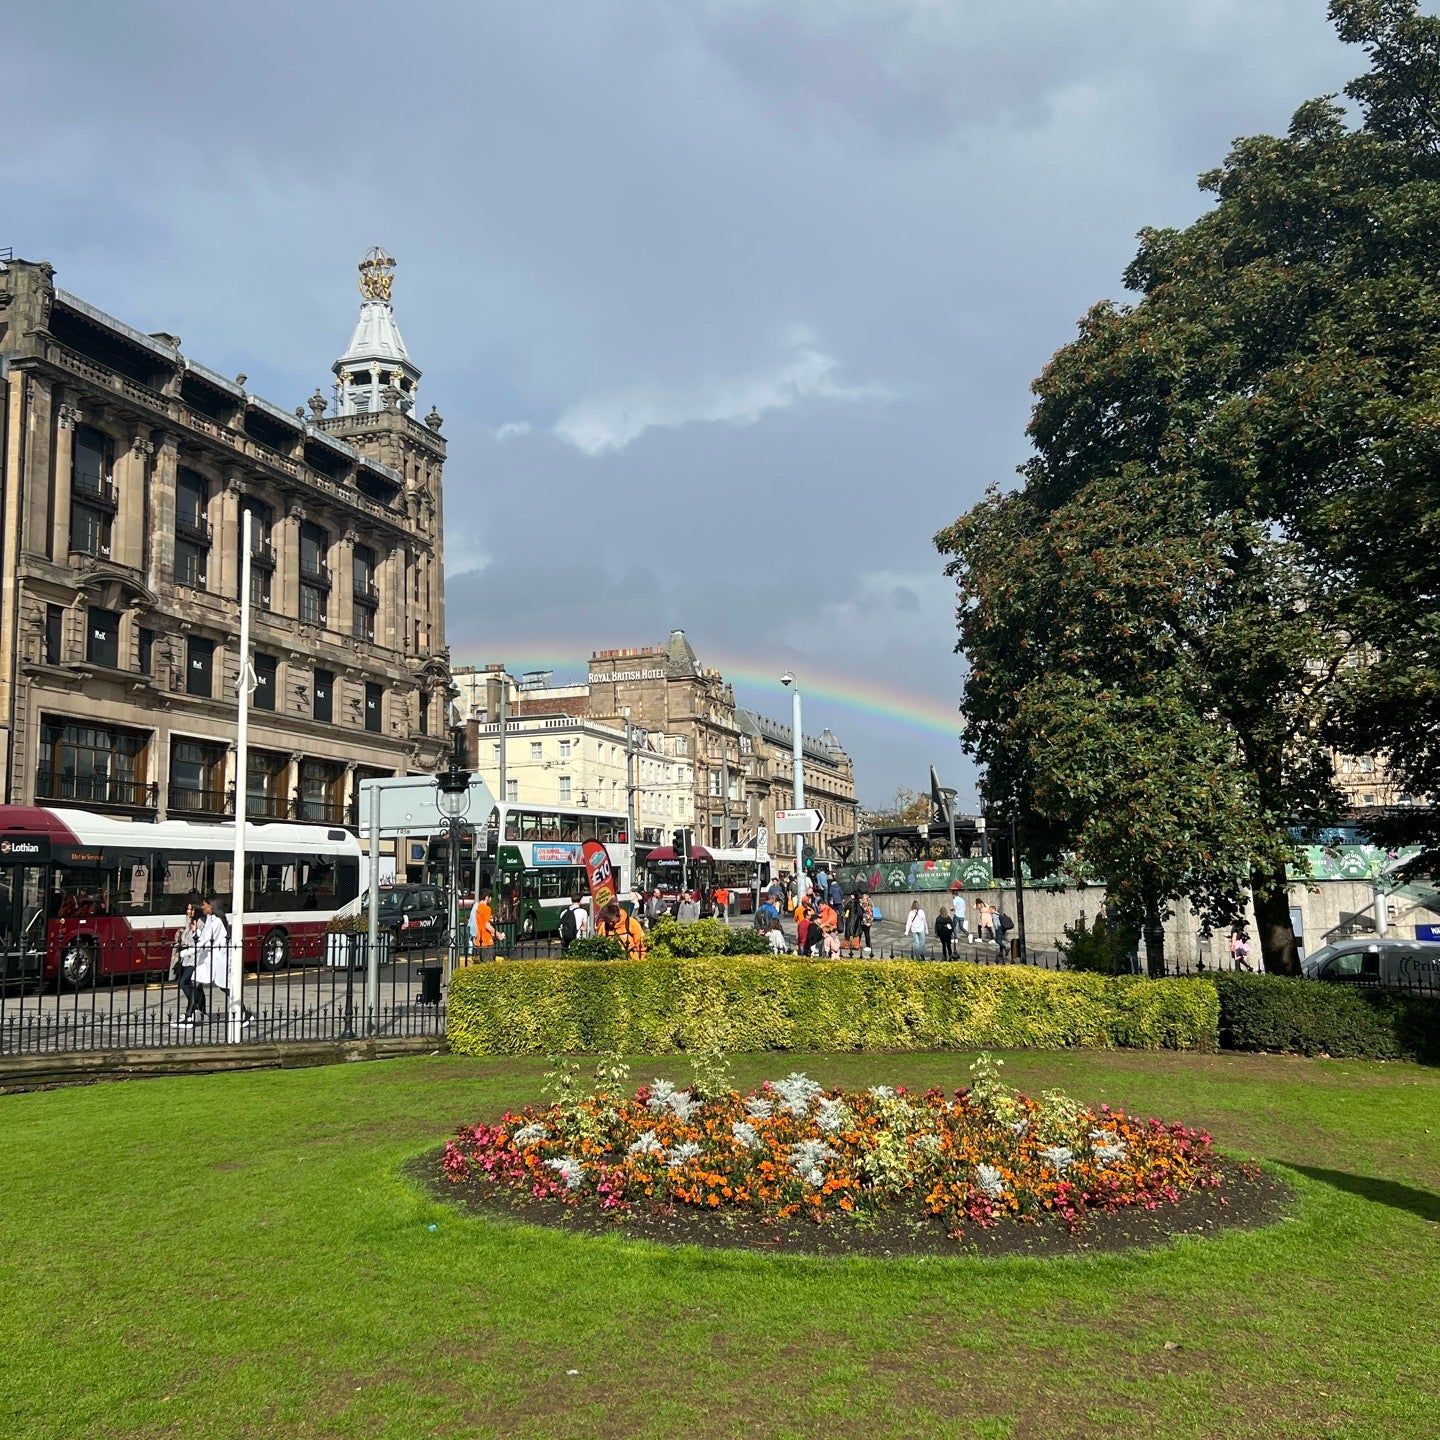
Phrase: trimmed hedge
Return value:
(740, 1005)
(1307, 1017)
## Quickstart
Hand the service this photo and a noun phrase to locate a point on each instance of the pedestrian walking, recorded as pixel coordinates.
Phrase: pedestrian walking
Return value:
(574, 923)
(182, 967)
(945, 933)
(867, 919)
(962, 930)
(984, 921)
(722, 903)
(837, 895)
(917, 925)
(689, 907)
(1239, 949)
(215, 961)
(482, 927)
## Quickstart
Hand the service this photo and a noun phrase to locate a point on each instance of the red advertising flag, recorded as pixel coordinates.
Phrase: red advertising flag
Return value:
(600, 875)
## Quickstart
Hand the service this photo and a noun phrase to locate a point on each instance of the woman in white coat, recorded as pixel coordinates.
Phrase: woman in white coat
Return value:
(214, 958)
(917, 925)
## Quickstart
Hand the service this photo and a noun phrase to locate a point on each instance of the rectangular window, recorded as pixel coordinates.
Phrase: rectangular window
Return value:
(260, 589)
(565, 749)
(192, 502)
(362, 622)
(190, 558)
(535, 751)
(146, 649)
(197, 777)
(262, 552)
(54, 634)
(90, 765)
(314, 552)
(102, 639)
(324, 695)
(374, 706)
(93, 458)
(424, 714)
(89, 532)
(564, 789)
(312, 604)
(266, 670)
(512, 791)
(199, 667)
(265, 785)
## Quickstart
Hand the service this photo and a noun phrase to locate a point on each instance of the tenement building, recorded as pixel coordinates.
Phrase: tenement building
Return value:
(741, 763)
(127, 467)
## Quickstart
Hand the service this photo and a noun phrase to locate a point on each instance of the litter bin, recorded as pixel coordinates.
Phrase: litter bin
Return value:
(430, 983)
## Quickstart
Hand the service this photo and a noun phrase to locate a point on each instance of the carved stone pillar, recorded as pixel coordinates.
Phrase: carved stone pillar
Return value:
(132, 481)
(285, 598)
(225, 542)
(342, 584)
(392, 630)
(160, 571)
(67, 416)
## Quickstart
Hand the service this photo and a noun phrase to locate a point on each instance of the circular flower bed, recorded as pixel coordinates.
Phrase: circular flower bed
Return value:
(791, 1150)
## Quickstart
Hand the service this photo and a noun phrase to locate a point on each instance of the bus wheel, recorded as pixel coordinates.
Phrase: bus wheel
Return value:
(527, 925)
(77, 964)
(275, 950)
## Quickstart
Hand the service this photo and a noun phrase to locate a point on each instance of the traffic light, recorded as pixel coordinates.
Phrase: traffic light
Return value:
(680, 843)
(807, 857)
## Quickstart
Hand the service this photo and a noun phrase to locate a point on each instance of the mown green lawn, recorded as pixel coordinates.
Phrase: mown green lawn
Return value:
(241, 1256)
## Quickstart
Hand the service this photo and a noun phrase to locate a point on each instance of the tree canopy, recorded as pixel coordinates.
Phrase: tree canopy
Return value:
(1233, 491)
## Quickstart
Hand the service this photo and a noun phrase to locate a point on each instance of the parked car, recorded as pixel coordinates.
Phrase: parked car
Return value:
(414, 915)
(1378, 962)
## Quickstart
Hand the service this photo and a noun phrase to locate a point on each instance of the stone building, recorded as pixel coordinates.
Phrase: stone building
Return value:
(127, 466)
(743, 763)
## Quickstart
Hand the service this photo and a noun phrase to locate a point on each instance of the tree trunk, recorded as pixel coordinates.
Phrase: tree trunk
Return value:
(1272, 917)
(1154, 931)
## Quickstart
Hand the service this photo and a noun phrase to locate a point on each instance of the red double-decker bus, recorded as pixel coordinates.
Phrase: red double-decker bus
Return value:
(85, 896)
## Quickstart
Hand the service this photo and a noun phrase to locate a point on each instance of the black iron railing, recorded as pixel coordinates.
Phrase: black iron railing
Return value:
(188, 800)
(97, 790)
(99, 494)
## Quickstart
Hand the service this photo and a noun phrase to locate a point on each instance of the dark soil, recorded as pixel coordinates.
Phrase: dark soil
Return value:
(1246, 1200)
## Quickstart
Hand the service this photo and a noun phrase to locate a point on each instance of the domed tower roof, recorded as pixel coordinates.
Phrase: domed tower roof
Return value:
(376, 371)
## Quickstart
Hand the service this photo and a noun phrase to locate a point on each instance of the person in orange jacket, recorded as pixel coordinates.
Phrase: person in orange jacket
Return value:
(482, 927)
(830, 929)
(625, 928)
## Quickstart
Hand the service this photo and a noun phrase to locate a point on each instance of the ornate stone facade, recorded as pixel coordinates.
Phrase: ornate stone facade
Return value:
(127, 468)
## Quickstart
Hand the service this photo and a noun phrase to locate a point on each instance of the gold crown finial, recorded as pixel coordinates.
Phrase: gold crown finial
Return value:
(377, 274)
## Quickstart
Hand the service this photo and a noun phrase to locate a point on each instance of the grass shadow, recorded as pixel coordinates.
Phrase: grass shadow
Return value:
(1424, 1203)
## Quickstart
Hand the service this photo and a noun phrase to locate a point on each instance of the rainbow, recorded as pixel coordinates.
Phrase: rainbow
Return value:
(923, 714)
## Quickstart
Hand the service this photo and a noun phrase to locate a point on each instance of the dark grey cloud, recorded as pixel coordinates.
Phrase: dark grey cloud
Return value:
(730, 304)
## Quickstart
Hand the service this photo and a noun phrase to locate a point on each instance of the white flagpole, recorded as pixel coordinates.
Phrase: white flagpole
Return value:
(244, 684)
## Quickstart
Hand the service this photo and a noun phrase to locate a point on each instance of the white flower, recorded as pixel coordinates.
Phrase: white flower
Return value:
(1020, 1126)
(988, 1182)
(570, 1170)
(927, 1143)
(746, 1134)
(679, 1154)
(1060, 1157)
(1107, 1145)
(832, 1116)
(684, 1104)
(529, 1134)
(660, 1093)
(796, 1091)
(882, 1092)
(759, 1109)
(808, 1159)
(645, 1144)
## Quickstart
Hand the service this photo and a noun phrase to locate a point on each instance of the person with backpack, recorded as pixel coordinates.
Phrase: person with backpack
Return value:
(213, 957)
(574, 923)
(1003, 926)
(945, 933)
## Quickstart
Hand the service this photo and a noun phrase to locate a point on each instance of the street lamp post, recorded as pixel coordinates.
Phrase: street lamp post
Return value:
(452, 798)
(798, 765)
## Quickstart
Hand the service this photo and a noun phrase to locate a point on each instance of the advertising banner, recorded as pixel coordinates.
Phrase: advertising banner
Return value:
(600, 875)
(562, 853)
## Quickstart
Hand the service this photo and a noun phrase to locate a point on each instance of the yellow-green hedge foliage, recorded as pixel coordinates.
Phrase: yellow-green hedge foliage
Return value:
(655, 1007)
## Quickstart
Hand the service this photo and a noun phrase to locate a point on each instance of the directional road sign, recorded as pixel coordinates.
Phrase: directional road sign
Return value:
(798, 822)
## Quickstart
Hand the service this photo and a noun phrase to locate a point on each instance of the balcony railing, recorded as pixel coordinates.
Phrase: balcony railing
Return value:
(267, 807)
(367, 592)
(319, 812)
(192, 527)
(314, 572)
(188, 800)
(101, 495)
(110, 790)
(262, 555)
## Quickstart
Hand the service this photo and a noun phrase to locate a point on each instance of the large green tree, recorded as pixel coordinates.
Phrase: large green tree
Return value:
(1234, 488)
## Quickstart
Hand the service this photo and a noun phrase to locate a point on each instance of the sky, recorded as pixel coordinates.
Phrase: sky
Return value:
(729, 305)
